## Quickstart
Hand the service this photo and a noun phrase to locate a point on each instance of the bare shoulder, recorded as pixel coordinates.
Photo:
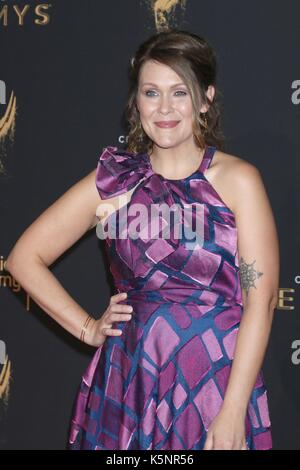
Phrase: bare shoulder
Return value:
(233, 166)
(233, 177)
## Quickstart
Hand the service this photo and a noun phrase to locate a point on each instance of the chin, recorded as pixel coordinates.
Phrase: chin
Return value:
(165, 143)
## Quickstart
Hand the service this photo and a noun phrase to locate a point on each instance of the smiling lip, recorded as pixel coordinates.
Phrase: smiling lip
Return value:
(166, 124)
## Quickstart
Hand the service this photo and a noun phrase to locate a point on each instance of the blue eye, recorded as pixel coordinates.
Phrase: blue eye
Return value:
(148, 91)
(178, 91)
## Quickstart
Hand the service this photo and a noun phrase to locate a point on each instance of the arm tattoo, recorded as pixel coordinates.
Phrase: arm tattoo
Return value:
(248, 275)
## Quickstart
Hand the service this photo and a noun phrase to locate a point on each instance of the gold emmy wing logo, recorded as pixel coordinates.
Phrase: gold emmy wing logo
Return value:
(7, 130)
(7, 121)
(5, 374)
(164, 11)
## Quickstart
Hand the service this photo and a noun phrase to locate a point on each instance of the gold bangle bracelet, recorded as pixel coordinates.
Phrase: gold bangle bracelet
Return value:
(84, 328)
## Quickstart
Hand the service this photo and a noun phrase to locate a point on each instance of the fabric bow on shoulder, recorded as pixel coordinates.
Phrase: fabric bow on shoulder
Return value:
(119, 171)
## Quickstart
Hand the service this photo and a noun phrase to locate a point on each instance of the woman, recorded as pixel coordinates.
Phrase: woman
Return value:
(181, 345)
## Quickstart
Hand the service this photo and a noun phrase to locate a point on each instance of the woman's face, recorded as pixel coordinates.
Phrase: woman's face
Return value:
(164, 99)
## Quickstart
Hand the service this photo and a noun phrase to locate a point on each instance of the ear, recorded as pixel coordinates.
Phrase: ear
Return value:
(210, 93)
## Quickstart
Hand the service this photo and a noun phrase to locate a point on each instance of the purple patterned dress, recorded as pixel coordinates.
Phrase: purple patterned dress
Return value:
(159, 385)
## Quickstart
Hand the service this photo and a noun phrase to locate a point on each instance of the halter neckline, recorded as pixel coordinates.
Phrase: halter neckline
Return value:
(204, 164)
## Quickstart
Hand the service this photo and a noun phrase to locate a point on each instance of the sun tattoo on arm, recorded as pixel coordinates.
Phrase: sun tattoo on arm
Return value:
(248, 275)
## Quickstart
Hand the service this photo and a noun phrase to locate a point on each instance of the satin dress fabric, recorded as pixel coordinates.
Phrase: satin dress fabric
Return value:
(160, 384)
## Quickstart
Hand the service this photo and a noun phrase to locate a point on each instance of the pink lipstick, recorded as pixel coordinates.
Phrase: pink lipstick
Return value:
(166, 124)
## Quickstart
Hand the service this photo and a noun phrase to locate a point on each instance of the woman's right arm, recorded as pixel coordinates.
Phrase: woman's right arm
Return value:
(47, 238)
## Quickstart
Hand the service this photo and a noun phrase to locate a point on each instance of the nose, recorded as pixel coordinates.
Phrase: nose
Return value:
(165, 104)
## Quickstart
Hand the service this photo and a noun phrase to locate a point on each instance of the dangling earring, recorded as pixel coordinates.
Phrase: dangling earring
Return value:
(140, 131)
(204, 119)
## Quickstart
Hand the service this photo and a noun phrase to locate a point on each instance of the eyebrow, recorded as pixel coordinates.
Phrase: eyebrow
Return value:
(172, 86)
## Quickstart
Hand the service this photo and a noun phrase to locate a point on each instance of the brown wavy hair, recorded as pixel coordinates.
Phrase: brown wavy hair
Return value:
(194, 60)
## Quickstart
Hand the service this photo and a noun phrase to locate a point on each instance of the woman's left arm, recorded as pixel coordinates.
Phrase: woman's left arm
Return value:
(258, 250)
